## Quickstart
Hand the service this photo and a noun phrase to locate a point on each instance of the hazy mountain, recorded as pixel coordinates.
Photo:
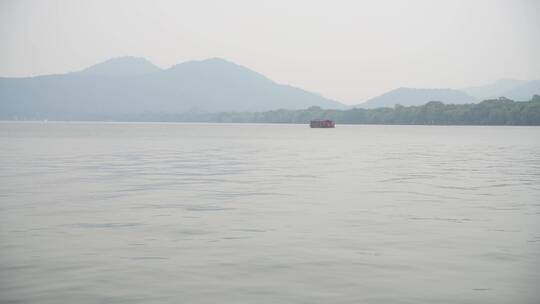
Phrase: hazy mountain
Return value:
(123, 66)
(525, 91)
(510, 88)
(128, 86)
(416, 97)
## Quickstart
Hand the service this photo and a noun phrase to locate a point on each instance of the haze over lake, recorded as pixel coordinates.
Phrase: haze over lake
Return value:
(225, 213)
(269, 152)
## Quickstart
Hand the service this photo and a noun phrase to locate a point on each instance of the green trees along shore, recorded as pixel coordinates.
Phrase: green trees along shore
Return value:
(500, 111)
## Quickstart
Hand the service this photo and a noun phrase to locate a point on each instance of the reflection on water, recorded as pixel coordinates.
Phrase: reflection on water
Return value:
(209, 213)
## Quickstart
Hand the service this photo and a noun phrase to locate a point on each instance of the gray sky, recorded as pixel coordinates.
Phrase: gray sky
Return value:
(345, 50)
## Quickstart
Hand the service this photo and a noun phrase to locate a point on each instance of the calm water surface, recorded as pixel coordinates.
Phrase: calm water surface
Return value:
(209, 213)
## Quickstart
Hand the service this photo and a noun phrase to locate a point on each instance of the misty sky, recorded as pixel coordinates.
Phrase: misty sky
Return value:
(344, 50)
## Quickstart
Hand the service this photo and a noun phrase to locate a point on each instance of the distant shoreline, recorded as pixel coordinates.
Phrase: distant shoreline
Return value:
(231, 123)
(496, 112)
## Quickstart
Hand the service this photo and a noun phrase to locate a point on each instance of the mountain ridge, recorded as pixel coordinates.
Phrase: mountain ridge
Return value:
(514, 89)
(416, 97)
(130, 86)
(121, 66)
(507, 87)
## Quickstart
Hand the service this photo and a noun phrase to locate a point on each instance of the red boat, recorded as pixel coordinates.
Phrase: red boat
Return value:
(322, 123)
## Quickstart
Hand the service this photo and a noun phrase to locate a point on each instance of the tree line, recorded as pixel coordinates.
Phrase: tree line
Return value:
(500, 111)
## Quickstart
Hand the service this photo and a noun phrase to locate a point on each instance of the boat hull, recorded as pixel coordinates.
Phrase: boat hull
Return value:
(321, 124)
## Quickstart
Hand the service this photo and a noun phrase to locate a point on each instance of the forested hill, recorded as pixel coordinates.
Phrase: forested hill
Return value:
(489, 112)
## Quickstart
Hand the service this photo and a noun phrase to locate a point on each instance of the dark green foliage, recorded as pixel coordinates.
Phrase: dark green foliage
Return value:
(500, 111)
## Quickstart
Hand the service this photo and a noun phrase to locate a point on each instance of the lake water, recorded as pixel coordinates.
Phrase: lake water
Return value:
(219, 213)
